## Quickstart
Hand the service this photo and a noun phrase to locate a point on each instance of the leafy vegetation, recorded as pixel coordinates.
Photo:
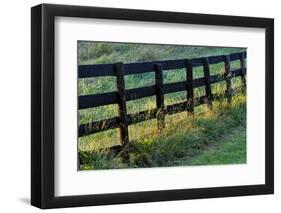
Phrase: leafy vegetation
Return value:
(210, 137)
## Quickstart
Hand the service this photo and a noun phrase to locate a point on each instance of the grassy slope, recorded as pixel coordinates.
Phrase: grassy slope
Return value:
(106, 52)
(214, 137)
(229, 149)
(193, 143)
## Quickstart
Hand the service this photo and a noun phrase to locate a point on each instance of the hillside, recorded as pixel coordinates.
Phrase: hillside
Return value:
(185, 141)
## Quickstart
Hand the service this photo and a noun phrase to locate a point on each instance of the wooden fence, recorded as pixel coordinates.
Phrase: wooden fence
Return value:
(159, 89)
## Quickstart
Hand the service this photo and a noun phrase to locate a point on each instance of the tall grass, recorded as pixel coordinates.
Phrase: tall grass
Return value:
(184, 137)
(183, 141)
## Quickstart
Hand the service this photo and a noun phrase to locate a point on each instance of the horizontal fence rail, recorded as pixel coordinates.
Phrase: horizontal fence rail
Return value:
(121, 96)
(101, 70)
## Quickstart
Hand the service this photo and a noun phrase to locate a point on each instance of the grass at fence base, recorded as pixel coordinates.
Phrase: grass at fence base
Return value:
(230, 150)
(184, 141)
(210, 137)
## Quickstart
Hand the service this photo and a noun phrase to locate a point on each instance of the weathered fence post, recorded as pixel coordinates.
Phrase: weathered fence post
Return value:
(159, 96)
(124, 132)
(189, 87)
(228, 77)
(119, 97)
(243, 71)
(208, 88)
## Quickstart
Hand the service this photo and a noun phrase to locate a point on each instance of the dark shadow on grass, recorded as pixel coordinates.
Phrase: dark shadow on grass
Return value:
(179, 146)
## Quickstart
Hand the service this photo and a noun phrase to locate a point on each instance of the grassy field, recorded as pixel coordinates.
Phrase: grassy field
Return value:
(210, 137)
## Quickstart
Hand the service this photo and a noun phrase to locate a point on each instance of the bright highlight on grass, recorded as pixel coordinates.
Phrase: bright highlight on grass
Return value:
(212, 136)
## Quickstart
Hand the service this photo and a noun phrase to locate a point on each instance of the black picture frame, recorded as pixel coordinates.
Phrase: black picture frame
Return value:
(43, 117)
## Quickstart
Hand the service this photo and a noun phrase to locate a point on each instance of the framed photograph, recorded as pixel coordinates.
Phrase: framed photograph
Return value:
(139, 106)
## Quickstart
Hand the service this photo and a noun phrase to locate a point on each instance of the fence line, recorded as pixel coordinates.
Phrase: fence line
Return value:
(121, 96)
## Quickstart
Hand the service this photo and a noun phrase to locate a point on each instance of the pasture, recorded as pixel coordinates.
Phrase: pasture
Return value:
(209, 137)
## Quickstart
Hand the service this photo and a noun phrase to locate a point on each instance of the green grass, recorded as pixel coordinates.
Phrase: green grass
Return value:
(230, 149)
(210, 137)
(107, 52)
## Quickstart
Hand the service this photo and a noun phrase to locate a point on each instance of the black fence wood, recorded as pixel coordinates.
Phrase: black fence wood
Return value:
(124, 132)
(159, 89)
(98, 126)
(96, 70)
(102, 99)
(208, 88)
(189, 87)
(243, 71)
(228, 76)
(159, 96)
